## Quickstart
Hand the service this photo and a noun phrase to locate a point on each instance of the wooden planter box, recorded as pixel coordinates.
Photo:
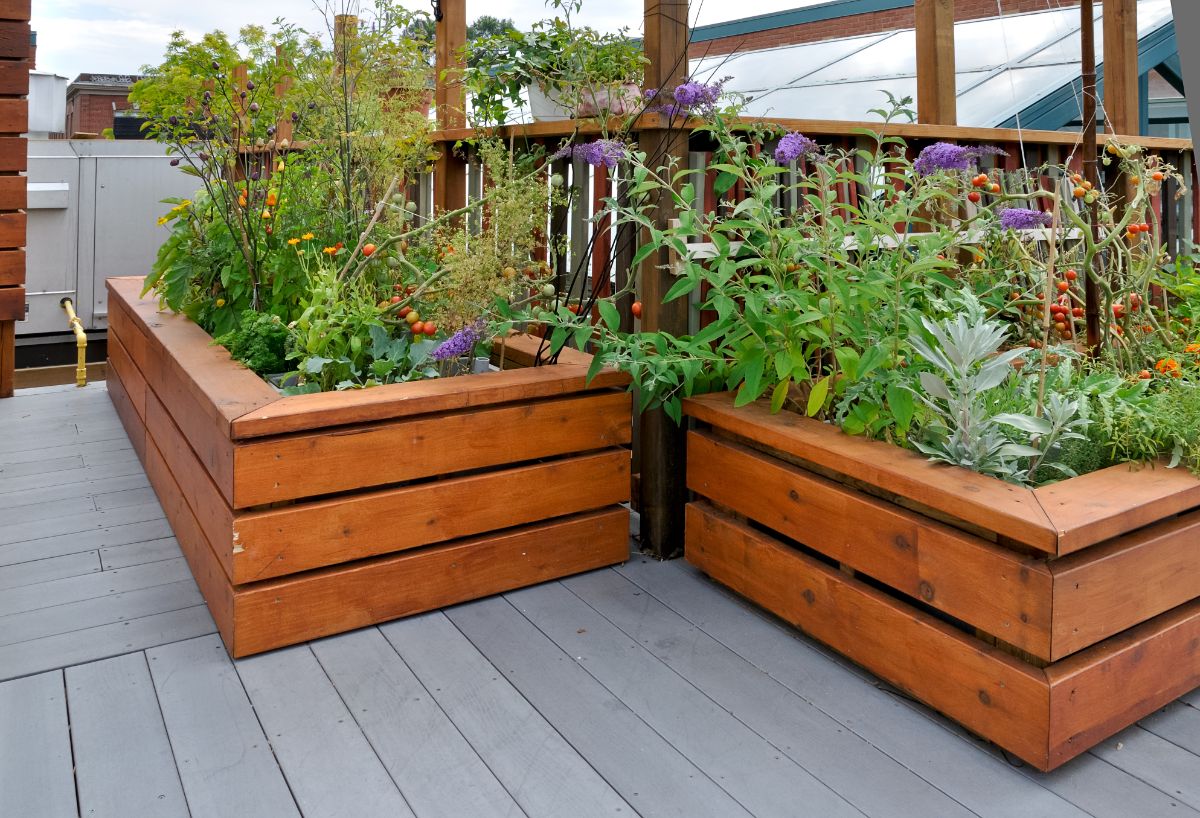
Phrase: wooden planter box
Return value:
(309, 515)
(1044, 620)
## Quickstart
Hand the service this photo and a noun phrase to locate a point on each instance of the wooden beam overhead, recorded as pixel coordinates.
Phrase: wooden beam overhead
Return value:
(1120, 66)
(936, 100)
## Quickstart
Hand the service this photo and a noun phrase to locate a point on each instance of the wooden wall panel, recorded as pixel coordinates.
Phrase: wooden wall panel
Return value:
(12, 303)
(16, 52)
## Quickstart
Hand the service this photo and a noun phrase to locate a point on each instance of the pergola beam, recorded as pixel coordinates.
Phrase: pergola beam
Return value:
(936, 94)
(450, 172)
(1120, 67)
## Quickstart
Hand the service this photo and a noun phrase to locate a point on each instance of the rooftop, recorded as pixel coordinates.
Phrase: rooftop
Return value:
(639, 690)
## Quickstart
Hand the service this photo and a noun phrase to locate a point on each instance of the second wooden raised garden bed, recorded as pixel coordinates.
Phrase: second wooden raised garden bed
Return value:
(1044, 620)
(309, 515)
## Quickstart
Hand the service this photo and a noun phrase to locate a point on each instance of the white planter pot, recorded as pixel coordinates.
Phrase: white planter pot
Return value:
(546, 105)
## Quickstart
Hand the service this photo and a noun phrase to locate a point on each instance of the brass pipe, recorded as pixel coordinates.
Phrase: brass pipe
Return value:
(80, 341)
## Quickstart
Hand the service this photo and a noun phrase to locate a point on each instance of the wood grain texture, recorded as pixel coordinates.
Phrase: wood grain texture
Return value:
(208, 507)
(295, 538)
(994, 505)
(936, 101)
(12, 267)
(15, 9)
(135, 427)
(311, 464)
(981, 687)
(14, 77)
(12, 230)
(988, 586)
(204, 565)
(8, 358)
(1094, 507)
(14, 193)
(281, 612)
(130, 377)
(14, 39)
(1103, 590)
(14, 158)
(12, 303)
(1098, 692)
(297, 413)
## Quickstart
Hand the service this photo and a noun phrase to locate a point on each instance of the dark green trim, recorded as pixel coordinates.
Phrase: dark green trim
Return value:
(1171, 69)
(794, 17)
(1061, 105)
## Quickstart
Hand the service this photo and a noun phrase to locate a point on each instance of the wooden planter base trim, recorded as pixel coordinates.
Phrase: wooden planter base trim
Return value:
(1043, 716)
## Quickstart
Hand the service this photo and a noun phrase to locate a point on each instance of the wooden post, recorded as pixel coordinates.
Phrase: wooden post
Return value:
(936, 100)
(1091, 169)
(450, 173)
(663, 483)
(14, 121)
(1120, 67)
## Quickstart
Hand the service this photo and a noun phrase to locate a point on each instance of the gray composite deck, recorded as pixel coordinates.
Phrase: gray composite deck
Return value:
(640, 690)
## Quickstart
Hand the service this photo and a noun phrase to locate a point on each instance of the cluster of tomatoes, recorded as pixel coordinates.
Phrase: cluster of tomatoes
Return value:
(1134, 231)
(982, 182)
(1083, 188)
(410, 315)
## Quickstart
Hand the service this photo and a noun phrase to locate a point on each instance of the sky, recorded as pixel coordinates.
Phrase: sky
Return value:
(120, 36)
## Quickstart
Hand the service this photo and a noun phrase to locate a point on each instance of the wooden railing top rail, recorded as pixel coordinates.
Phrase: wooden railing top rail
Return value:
(816, 127)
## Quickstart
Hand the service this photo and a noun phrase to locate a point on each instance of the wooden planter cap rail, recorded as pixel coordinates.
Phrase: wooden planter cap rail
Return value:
(250, 408)
(1057, 519)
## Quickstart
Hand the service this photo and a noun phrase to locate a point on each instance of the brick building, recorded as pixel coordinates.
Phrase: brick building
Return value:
(92, 100)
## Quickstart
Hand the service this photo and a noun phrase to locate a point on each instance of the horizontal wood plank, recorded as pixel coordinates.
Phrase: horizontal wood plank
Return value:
(14, 191)
(1104, 689)
(14, 116)
(312, 535)
(1103, 590)
(297, 413)
(1094, 507)
(281, 612)
(983, 688)
(15, 9)
(129, 375)
(15, 39)
(14, 76)
(988, 586)
(12, 303)
(14, 158)
(12, 267)
(312, 464)
(12, 230)
(1008, 510)
(135, 426)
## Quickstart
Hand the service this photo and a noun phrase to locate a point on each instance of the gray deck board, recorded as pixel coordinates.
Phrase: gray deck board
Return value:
(436, 769)
(225, 761)
(45, 570)
(317, 741)
(868, 778)
(35, 749)
(113, 703)
(642, 690)
(535, 764)
(983, 783)
(758, 774)
(642, 766)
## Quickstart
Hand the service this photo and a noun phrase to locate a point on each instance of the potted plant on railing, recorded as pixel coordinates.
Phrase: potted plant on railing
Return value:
(565, 71)
(912, 438)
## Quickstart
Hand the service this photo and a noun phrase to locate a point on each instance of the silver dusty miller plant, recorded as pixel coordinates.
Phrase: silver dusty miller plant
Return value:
(964, 429)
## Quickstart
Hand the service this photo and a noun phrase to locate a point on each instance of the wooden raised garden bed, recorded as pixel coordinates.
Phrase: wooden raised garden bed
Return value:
(1044, 620)
(309, 515)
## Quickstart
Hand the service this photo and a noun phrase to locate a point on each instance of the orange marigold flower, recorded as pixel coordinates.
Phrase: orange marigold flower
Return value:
(293, 242)
(329, 251)
(308, 237)
(1192, 348)
(1168, 366)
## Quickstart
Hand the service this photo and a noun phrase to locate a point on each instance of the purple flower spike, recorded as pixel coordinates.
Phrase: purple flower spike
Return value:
(793, 146)
(1020, 218)
(460, 343)
(607, 152)
(945, 156)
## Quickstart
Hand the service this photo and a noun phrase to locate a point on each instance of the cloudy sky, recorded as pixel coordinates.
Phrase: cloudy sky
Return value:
(120, 36)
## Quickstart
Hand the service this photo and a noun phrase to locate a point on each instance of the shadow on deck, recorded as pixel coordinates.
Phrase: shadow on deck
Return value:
(640, 690)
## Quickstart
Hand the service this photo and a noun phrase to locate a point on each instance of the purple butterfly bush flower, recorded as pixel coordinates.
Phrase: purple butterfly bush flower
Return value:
(794, 146)
(946, 156)
(689, 97)
(460, 343)
(607, 152)
(1020, 218)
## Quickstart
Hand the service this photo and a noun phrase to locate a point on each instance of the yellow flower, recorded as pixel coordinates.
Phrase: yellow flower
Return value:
(1192, 348)
(308, 237)
(163, 220)
(329, 251)
(220, 302)
(293, 242)
(1168, 366)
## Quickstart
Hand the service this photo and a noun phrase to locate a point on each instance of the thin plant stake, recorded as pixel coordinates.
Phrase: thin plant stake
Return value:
(1051, 258)
(362, 239)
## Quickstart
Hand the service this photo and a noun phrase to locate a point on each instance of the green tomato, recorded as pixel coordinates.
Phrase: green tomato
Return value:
(548, 290)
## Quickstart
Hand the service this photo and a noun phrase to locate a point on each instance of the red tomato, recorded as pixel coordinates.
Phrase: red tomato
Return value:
(636, 309)
(418, 327)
